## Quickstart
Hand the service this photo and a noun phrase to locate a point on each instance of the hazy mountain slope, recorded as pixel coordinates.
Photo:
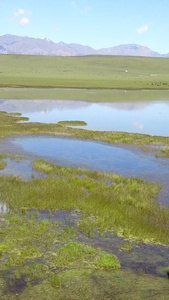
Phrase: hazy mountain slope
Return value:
(131, 50)
(12, 44)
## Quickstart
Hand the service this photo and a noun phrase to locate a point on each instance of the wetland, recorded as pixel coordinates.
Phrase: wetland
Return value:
(84, 210)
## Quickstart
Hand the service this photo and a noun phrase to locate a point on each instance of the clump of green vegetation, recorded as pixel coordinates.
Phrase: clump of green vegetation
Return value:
(107, 261)
(72, 123)
(127, 247)
(73, 254)
(15, 114)
(125, 206)
(163, 152)
(3, 156)
(2, 162)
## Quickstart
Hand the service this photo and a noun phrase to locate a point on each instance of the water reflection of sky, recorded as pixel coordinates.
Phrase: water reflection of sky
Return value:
(103, 157)
(140, 117)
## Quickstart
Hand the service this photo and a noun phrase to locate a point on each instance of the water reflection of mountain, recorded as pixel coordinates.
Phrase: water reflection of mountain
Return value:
(28, 106)
(45, 106)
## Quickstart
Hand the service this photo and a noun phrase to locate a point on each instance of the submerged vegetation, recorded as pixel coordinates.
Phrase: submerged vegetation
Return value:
(3, 163)
(33, 250)
(42, 259)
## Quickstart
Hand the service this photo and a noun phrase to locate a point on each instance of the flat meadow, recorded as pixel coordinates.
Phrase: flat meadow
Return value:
(110, 72)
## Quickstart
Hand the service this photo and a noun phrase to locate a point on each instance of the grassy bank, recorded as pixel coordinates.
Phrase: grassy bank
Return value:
(113, 72)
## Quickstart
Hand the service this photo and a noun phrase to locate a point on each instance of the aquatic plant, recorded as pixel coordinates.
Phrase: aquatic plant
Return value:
(2, 162)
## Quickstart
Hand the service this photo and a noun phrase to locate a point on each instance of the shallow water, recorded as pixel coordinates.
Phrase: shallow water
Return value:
(147, 117)
(150, 259)
(128, 161)
(22, 168)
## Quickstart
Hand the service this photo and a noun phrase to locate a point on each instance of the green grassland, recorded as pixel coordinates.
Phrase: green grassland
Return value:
(113, 72)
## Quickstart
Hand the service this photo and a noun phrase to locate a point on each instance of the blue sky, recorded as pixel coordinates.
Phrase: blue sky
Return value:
(96, 23)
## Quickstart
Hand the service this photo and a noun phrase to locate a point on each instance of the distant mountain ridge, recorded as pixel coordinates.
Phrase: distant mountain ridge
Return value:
(13, 44)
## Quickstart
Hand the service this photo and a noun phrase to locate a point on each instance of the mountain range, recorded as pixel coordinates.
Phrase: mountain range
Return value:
(12, 44)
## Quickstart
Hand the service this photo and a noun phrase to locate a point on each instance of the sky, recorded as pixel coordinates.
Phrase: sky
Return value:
(96, 23)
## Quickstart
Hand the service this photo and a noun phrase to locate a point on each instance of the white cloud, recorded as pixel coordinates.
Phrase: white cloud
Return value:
(142, 29)
(20, 16)
(18, 13)
(57, 29)
(24, 21)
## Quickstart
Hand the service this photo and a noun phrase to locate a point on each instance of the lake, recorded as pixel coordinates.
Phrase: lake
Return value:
(146, 117)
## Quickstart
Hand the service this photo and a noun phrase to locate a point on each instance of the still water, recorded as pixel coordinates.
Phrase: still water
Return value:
(147, 117)
(128, 161)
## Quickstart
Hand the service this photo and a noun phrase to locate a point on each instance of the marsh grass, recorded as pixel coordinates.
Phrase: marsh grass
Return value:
(127, 247)
(163, 152)
(32, 251)
(38, 262)
(9, 125)
(3, 156)
(2, 162)
(72, 123)
(126, 206)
